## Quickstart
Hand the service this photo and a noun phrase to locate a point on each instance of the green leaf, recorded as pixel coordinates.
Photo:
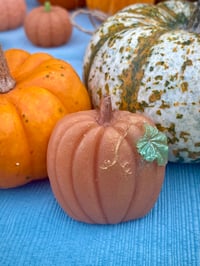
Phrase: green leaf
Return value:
(153, 145)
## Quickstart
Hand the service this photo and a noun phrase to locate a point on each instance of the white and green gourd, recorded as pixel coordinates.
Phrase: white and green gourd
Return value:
(147, 58)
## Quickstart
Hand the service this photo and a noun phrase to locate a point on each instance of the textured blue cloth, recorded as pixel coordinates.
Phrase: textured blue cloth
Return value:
(35, 231)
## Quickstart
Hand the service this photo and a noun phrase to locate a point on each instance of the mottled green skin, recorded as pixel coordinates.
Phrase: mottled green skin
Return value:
(144, 57)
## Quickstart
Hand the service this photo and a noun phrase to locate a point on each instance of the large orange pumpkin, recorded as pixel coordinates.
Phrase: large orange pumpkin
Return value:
(112, 6)
(68, 4)
(44, 89)
(106, 167)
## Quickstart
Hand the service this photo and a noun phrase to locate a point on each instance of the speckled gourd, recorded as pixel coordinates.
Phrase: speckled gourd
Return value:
(147, 58)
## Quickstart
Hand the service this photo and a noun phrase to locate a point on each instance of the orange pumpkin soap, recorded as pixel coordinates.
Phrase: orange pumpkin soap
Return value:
(106, 166)
(48, 26)
(40, 90)
(12, 14)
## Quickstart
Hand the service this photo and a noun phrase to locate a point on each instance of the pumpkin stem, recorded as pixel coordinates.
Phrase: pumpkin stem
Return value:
(47, 6)
(105, 111)
(6, 81)
(194, 22)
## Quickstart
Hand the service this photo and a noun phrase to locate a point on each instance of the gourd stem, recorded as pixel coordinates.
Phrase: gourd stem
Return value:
(105, 111)
(7, 83)
(47, 6)
(194, 22)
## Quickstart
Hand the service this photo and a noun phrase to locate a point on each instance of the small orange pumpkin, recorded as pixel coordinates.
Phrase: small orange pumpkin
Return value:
(48, 25)
(103, 166)
(68, 4)
(112, 6)
(12, 14)
(43, 90)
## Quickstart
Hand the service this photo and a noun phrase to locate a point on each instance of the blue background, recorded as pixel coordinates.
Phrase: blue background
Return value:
(35, 231)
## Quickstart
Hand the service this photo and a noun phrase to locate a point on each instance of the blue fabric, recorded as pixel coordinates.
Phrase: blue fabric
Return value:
(35, 231)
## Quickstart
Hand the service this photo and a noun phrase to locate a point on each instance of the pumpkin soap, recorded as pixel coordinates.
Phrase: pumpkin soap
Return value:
(48, 25)
(106, 166)
(12, 14)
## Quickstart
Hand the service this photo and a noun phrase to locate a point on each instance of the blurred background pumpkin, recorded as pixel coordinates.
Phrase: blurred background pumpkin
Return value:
(12, 14)
(68, 4)
(48, 25)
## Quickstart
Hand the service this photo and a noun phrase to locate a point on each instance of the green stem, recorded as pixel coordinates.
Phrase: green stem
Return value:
(7, 83)
(47, 6)
(194, 22)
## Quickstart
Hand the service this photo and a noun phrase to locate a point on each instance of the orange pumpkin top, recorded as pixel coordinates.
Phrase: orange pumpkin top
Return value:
(46, 89)
(66, 4)
(113, 6)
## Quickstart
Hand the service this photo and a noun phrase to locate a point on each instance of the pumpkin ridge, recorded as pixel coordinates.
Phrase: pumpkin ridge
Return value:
(179, 17)
(133, 198)
(46, 65)
(55, 186)
(53, 94)
(93, 125)
(131, 78)
(30, 66)
(100, 43)
(100, 131)
(155, 12)
(35, 22)
(96, 186)
(51, 27)
(25, 133)
(32, 19)
(115, 29)
(12, 98)
(78, 142)
(55, 181)
(32, 79)
(61, 19)
(148, 12)
(51, 14)
(127, 139)
(8, 15)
